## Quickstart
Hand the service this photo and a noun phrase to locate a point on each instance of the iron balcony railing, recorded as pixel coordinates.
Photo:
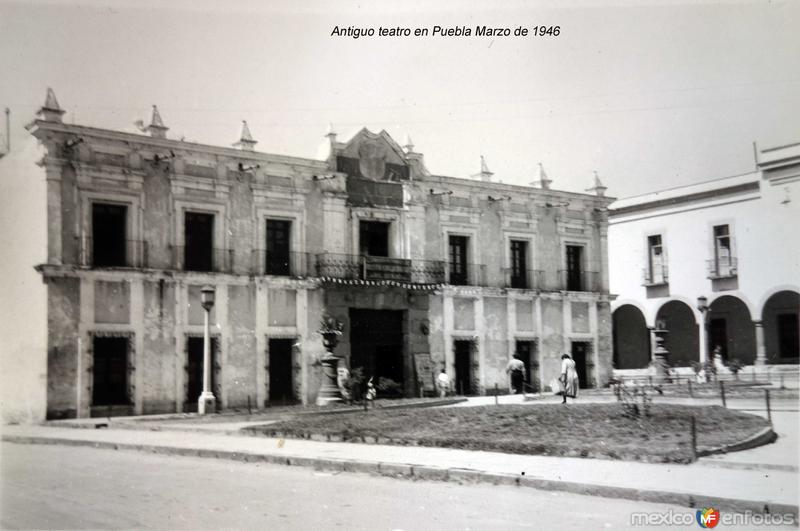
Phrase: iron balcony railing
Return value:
(572, 280)
(362, 267)
(113, 253)
(283, 264)
(722, 267)
(523, 279)
(208, 259)
(656, 275)
(471, 275)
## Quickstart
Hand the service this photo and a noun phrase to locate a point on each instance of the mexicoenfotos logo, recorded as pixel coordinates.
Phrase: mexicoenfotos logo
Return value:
(707, 517)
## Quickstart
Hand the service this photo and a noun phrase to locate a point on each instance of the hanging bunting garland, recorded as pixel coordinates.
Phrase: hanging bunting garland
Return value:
(392, 283)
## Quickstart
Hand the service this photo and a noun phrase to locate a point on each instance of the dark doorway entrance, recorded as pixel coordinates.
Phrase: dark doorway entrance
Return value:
(199, 235)
(526, 351)
(463, 361)
(281, 384)
(110, 371)
(108, 235)
(376, 344)
(278, 234)
(718, 337)
(581, 355)
(374, 238)
(194, 372)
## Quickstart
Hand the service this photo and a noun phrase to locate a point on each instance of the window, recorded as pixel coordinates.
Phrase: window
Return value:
(278, 257)
(655, 252)
(458, 260)
(723, 257)
(374, 238)
(574, 268)
(519, 264)
(108, 235)
(199, 237)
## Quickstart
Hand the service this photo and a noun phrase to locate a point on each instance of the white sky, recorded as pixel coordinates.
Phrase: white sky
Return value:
(649, 94)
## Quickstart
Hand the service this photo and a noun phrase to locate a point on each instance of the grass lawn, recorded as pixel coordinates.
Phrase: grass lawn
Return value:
(575, 430)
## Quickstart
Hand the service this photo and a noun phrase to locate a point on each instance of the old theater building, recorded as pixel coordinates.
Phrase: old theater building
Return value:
(465, 271)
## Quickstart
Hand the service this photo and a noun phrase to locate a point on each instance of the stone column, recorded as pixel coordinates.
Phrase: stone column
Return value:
(761, 348)
(703, 336)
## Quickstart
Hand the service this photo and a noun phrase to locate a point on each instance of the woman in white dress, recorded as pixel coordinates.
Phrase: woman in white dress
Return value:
(569, 378)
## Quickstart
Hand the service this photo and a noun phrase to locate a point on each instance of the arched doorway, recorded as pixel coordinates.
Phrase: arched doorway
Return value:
(631, 338)
(780, 316)
(682, 341)
(730, 327)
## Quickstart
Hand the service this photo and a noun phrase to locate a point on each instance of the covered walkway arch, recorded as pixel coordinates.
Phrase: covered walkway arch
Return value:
(780, 320)
(730, 327)
(631, 338)
(682, 341)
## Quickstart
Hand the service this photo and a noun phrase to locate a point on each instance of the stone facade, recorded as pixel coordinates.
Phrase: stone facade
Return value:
(371, 237)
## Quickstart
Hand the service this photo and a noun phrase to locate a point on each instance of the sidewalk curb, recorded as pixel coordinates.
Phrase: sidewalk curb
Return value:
(430, 473)
(763, 437)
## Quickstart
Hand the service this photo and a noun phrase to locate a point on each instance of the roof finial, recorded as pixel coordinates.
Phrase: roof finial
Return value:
(542, 181)
(246, 142)
(485, 174)
(157, 129)
(51, 111)
(598, 187)
(409, 147)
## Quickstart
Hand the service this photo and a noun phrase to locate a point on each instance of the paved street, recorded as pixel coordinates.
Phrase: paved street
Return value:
(55, 487)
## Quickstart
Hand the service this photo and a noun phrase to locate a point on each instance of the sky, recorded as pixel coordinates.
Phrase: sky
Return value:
(650, 94)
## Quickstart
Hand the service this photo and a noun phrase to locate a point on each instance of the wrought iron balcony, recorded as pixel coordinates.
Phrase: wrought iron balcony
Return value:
(113, 253)
(657, 275)
(210, 260)
(722, 267)
(285, 264)
(571, 280)
(362, 267)
(523, 279)
(466, 274)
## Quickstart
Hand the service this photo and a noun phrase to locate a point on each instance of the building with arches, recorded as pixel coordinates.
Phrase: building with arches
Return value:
(717, 264)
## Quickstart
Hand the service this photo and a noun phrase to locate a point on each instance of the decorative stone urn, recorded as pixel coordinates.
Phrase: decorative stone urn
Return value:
(660, 354)
(331, 331)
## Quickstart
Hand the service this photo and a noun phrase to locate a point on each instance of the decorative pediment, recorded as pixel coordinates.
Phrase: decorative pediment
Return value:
(373, 156)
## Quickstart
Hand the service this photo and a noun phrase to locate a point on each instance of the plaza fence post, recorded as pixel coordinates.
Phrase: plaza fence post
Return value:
(694, 438)
(722, 393)
(249, 410)
(769, 410)
(689, 382)
(496, 399)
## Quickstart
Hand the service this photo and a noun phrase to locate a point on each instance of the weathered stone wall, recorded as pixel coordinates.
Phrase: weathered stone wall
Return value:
(241, 366)
(552, 345)
(63, 312)
(157, 361)
(495, 343)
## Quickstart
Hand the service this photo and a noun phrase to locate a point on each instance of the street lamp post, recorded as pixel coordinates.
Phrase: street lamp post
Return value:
(206, 403)
(702, 306)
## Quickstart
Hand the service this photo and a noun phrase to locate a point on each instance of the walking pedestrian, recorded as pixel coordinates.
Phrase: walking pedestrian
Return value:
(443, 383)
(569, 378)
(516, 369)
